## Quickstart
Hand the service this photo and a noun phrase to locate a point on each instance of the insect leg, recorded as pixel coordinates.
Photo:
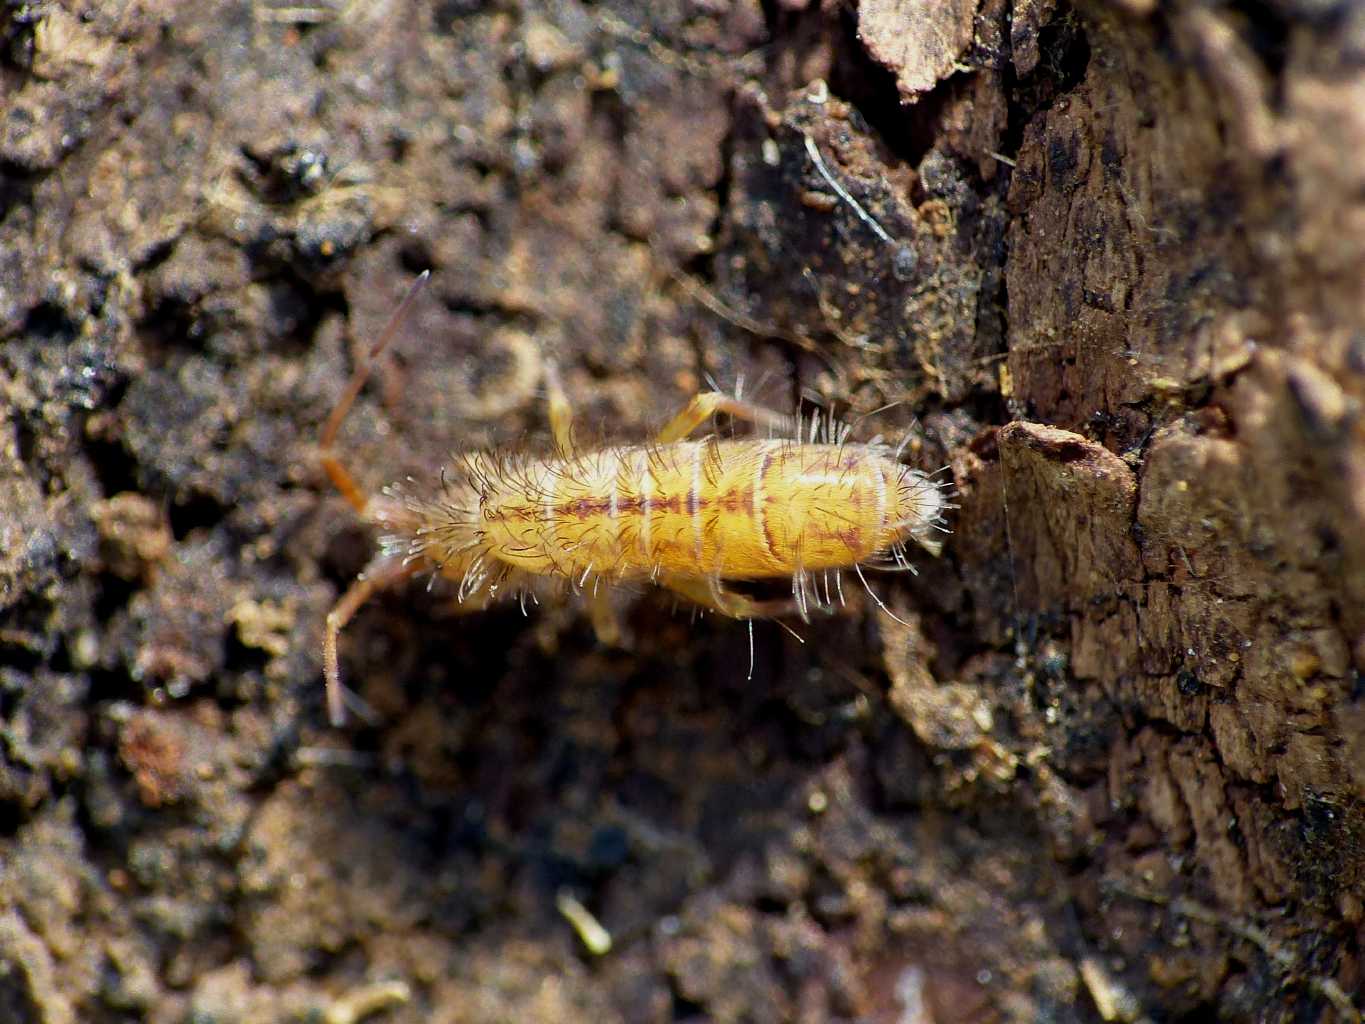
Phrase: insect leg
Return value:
(378, 575)
(561, 413)
(339, 475)
(606, 623)
(727, 602)
(706, 404)
(480, 601)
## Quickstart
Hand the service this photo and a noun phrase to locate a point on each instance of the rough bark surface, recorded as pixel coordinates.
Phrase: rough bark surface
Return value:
(1103, 760)
(920, 40)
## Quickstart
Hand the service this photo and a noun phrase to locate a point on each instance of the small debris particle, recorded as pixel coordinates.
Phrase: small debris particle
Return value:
(368, 1000)
(264, 625)
(596, 939)
(1111, 1000)
(134, 535)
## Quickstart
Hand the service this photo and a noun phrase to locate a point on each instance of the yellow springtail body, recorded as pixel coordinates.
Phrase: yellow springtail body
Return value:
(686, 514)
(741, 509)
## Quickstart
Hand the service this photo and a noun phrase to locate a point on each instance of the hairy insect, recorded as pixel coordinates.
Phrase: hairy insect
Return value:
(690, 516)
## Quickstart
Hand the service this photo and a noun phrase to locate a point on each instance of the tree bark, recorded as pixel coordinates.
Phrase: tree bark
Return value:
(1102, 759)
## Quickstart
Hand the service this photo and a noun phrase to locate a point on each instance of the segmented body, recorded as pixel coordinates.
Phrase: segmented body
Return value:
(689, 515)
(724, 509)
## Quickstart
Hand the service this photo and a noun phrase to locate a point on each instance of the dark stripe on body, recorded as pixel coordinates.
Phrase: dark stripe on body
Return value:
(759, 506)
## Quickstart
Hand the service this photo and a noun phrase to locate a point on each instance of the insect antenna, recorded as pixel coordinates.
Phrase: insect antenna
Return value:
(339, 475)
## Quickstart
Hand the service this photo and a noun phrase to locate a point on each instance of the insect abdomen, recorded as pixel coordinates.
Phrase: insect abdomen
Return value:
(736, 509)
